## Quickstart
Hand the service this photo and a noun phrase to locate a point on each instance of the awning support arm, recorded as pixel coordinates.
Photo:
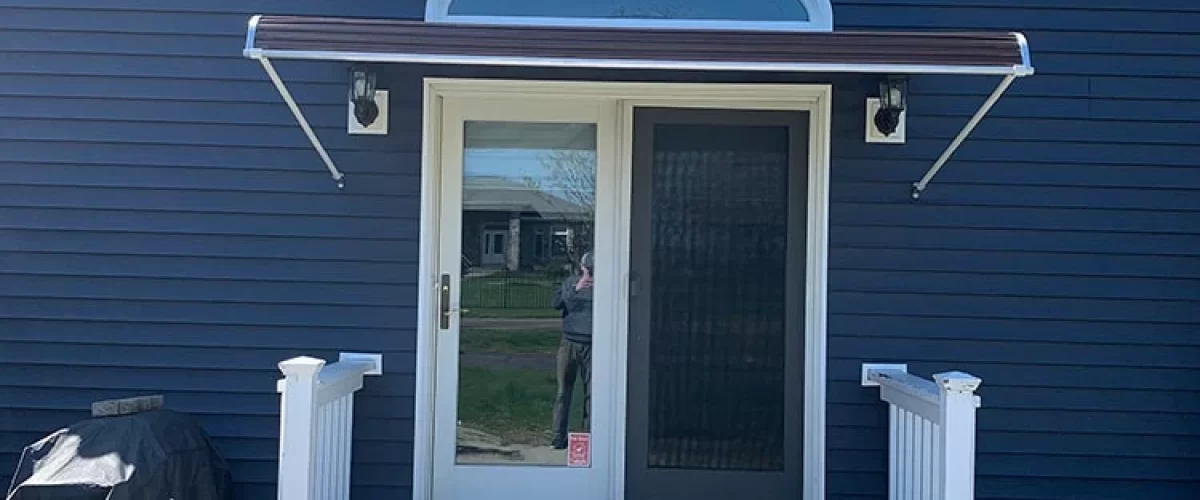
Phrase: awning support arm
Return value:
(337, 175)
(919, 186)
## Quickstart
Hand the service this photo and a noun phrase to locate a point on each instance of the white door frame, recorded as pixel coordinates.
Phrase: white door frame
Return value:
(813, 98)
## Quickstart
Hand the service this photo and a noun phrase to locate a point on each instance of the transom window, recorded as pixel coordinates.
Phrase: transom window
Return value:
(788, 15)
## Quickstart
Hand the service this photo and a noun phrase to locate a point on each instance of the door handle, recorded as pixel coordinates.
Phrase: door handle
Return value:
(445, 302)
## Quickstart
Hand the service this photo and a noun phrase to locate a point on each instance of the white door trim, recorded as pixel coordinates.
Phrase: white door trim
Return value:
(815, 99)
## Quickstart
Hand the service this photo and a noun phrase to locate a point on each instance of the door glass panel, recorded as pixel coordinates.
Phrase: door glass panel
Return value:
(525, 336)
(719, 222)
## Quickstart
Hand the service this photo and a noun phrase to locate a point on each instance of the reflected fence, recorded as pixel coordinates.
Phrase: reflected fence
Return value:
(503, 289)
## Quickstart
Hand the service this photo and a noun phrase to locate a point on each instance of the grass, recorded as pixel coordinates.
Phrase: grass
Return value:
(515, 405)
(510, 341)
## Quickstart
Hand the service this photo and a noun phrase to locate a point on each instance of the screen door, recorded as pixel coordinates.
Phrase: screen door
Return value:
(716, 336)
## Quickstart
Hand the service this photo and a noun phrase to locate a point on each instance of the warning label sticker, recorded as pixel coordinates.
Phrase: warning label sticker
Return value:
(579, 449)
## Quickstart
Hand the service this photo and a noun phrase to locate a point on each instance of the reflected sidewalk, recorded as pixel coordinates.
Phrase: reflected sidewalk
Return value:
(512, 323)
(514, 361)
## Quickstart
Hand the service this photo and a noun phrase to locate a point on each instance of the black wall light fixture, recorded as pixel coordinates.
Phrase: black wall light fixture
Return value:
(893, 97)
(362, 94)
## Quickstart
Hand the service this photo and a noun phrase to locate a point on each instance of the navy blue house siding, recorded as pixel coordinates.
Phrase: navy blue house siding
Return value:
(1057, 256)
(165, 228)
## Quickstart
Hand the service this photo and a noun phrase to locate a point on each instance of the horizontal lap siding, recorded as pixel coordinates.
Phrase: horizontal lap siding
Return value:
(1057, 256)
(165, 228)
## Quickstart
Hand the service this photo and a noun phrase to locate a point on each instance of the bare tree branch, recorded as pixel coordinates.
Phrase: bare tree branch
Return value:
(571, 177)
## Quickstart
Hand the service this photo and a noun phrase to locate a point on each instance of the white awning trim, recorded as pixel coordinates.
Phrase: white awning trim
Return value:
(919, 186)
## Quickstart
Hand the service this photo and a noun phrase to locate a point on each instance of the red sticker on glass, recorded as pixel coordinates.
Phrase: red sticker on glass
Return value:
(579, 449)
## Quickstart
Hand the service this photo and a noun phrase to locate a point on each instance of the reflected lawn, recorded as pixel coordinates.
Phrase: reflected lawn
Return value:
(514, 405)
(509, 341)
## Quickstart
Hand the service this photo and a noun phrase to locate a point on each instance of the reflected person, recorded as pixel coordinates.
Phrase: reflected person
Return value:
(574, 299)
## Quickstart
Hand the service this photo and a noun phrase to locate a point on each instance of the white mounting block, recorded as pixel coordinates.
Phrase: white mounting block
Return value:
(378, 127)
(376, 359)
(868, 367)
(873, 133)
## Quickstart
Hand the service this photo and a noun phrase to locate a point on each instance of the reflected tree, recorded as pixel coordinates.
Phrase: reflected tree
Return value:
(571, 178)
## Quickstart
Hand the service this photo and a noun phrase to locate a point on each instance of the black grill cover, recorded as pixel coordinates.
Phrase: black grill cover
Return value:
(156, 455)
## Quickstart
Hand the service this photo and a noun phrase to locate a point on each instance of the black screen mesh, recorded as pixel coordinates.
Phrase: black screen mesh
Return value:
(719, 260)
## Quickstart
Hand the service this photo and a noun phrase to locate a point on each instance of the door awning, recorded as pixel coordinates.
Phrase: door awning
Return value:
(399, 41)
(384, 40)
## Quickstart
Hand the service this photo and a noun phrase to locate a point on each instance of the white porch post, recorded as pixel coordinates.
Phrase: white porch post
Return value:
(514, 242)
(957, 443)
(298, 429)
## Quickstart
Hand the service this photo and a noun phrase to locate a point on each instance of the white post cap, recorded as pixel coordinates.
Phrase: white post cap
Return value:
(957, 381)
(302, 365)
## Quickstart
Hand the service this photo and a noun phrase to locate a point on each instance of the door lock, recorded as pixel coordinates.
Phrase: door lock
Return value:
(444, 303)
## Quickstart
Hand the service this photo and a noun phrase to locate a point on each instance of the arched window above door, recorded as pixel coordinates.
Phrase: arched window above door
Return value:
(776, 15)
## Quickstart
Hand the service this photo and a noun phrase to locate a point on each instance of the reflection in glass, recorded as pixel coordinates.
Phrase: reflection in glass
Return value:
(525, 337)
(741, 10)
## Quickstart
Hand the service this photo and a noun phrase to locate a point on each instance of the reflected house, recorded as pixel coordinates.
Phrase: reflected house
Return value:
(515, 225)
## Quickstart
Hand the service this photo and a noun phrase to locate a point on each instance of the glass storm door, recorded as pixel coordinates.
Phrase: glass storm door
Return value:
(717, 254)
(519, 350)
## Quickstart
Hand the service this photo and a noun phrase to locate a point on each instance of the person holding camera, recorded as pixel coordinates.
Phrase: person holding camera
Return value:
(574, 299)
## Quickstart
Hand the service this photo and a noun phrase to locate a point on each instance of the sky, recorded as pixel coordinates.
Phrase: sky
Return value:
(515, 150)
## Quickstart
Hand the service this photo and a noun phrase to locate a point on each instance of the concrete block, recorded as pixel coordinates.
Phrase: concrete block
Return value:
(127, 406)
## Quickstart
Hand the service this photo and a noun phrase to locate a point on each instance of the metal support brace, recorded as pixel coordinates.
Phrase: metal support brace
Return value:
(312, 136)
(919, 187)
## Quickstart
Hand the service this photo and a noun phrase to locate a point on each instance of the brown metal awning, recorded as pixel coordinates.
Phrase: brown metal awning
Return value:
(397, 41)
(385, 40)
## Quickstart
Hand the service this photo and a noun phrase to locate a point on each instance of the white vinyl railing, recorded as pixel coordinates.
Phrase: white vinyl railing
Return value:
(317, 424)
(931, 449)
